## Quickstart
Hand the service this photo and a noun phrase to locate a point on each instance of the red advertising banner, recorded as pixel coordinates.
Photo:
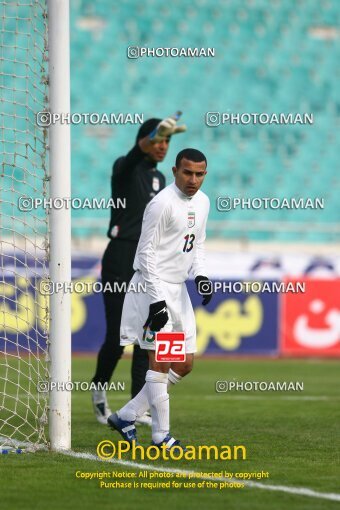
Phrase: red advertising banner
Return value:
(310, 320)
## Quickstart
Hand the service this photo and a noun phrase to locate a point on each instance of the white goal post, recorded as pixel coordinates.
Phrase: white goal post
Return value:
(35, 329)
(60, 232)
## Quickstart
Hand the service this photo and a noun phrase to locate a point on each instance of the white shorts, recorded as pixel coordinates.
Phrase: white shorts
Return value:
(136, 311)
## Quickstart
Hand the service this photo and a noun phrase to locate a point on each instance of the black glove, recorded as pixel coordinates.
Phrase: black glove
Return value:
(204, 287)
(158, 316)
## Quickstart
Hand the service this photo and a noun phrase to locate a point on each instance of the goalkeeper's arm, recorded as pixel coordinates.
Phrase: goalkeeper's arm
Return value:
(165, 129)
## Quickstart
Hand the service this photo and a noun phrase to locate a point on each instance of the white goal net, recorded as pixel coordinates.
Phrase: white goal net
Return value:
(24, 314)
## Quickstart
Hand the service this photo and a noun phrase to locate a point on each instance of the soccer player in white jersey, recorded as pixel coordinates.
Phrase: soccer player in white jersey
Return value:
(171, 245)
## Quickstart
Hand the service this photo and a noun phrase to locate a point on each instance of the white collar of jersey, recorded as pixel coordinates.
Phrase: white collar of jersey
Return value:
(182, 195)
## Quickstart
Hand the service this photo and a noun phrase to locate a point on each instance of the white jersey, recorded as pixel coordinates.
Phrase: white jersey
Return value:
(172, 239)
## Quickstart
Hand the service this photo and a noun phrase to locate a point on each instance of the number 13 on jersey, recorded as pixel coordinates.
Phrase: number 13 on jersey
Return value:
(189, 242)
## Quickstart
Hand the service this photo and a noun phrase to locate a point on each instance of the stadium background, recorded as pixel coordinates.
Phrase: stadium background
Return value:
(272, 57)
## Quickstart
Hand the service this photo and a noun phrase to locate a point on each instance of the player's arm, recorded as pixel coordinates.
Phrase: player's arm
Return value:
(153, 227)
(165, 129)
(125, 165)
(198, 265)
(154, 224)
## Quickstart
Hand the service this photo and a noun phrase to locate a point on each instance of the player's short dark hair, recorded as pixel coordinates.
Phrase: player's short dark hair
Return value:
(147, 127)
(192, 155)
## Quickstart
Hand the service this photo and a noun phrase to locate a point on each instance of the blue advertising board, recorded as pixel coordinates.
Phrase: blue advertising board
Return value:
(234, 323)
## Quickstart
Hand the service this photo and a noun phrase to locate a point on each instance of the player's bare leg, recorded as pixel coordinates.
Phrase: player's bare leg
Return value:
(179, 370)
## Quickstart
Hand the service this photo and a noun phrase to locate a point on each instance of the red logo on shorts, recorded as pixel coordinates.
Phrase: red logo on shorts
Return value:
(170, 346)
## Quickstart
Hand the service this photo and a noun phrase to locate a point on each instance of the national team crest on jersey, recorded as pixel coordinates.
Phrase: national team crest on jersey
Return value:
(191, 219)
(155, 184)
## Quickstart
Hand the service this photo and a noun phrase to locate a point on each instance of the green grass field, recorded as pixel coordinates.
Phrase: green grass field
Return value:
(294, 438)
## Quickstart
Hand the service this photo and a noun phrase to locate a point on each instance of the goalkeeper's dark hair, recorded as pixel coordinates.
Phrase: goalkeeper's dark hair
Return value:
(192, 155)
(146, 128)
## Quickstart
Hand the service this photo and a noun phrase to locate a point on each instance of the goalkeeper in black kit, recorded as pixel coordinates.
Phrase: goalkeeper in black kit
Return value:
(134, 177)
